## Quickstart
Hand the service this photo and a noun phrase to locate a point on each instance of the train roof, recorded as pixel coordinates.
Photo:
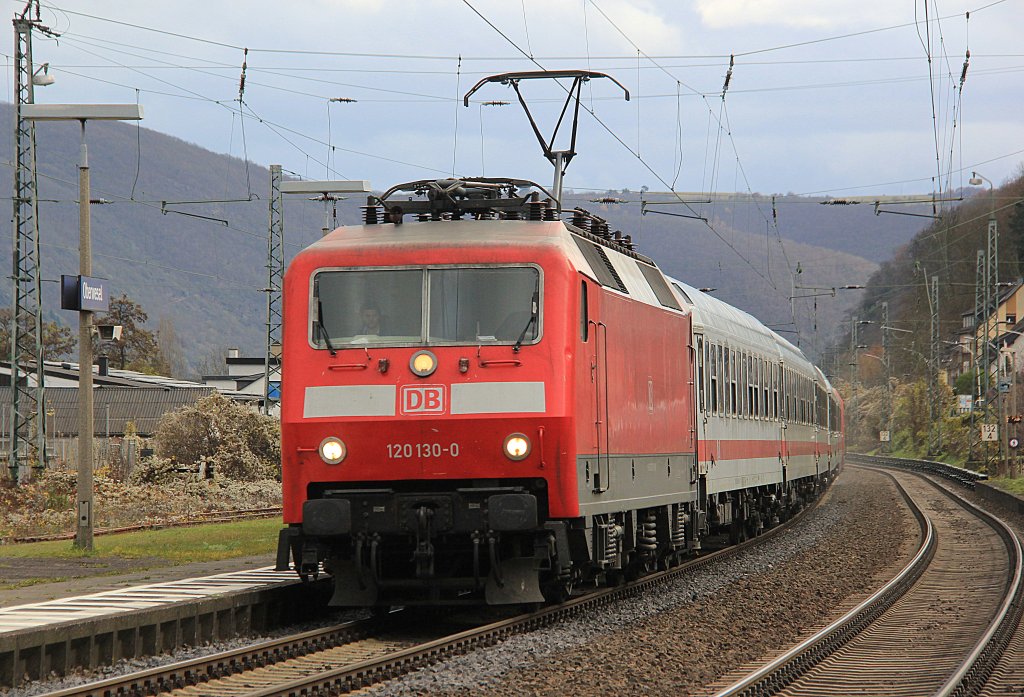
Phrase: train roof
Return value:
(722, 318)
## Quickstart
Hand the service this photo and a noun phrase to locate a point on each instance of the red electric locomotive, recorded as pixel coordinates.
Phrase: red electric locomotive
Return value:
(483, 403)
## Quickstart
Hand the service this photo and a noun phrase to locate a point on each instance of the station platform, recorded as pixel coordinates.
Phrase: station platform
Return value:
(84, 579)
(96, 620)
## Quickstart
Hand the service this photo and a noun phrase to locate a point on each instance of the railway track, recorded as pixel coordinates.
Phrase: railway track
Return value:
(349, 657)
(941, 626)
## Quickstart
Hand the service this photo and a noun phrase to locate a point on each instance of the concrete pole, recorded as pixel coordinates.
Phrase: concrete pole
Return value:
(83, 534)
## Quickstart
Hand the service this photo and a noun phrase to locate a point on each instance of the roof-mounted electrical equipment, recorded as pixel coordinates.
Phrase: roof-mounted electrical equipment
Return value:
(481, 198)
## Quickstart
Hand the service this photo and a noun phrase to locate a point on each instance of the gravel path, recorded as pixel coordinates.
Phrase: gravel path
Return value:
(679, 639)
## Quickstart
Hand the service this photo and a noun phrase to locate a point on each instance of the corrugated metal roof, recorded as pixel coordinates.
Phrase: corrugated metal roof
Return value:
(142, 405)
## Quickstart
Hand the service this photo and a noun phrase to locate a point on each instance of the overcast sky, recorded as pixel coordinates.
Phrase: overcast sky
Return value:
(830, 97)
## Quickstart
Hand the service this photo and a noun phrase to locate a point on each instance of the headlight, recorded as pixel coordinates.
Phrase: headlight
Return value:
(423, 363)
(332, 450)
(517, 446)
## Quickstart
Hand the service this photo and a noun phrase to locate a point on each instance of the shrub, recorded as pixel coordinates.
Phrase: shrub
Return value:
(240, 443)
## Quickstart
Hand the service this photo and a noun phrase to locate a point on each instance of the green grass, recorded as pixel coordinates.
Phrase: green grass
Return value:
(1014, 486)
(211, 542)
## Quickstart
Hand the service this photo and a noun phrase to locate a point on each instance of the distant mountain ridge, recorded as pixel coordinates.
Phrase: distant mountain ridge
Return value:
(202, 266)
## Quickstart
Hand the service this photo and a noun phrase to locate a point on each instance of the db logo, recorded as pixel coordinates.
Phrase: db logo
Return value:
(422, 399)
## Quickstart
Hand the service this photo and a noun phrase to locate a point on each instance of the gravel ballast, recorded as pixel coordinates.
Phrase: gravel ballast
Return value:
(681, 638)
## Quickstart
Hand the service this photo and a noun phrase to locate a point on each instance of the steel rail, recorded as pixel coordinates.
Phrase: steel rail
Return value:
(974, 670)
(977, 667)
(785, 668)
(197, 670)
(370, 671)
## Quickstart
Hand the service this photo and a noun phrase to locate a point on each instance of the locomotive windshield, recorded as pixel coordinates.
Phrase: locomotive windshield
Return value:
(437, 305)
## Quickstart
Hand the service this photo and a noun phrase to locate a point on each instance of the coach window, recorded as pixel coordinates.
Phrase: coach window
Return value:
(723, 402)
(752, 389)
(784, 393)
(726, 380)
(743, 387)
(720, 387)
(707, 376)
(764, 388)
(791, 387)
(775, 390)
(748, 408)
(759, 388)
(713, 385)
(733, 377)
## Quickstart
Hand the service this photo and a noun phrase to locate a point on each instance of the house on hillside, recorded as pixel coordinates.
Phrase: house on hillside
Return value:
(1003, 330)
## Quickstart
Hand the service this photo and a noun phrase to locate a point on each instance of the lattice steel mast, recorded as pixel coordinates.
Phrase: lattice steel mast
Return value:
(275, 277)
(28, 418)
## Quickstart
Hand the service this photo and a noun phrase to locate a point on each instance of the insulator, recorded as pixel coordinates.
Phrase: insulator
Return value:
(550, 213)
(371, 211)
(513, 215)
(536, 207)
(628, 241)
(617, 235)
(580, 220)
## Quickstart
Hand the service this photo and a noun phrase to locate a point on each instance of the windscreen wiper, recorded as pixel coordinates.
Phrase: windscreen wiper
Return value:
(532, 322)
(323, 329)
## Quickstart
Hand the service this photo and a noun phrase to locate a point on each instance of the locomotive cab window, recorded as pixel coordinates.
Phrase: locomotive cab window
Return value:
(443, 305)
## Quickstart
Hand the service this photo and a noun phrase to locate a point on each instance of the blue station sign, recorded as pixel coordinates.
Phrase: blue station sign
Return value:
(84, 293)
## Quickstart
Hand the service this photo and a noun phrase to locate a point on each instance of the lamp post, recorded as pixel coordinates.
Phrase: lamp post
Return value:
(977, 180)
(83, 113)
